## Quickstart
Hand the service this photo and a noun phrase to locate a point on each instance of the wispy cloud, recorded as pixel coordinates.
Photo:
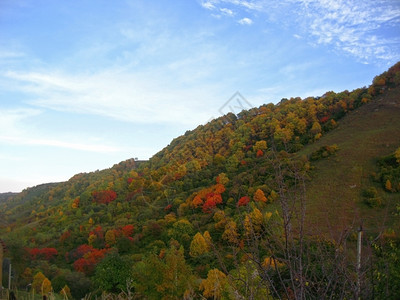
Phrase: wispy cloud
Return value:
(227, 12)
(252, 5)
(354, 27)
(14, 130)
(58, 144)
(139, 98)
(11, 119)
(245, 21)
(208, 5)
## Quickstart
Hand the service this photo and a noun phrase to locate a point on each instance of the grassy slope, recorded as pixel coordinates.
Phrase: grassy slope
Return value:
(363, 135)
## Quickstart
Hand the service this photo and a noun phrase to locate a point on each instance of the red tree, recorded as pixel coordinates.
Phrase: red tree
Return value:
(127, 230)
(87, 263)
(243, 201)
(43, 253)
(104, 197)
(211, 202)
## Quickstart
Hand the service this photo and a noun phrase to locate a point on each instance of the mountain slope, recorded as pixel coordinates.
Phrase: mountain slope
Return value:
(370, 132)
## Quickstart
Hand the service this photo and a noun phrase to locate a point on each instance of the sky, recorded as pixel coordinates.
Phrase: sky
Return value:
(86, 84)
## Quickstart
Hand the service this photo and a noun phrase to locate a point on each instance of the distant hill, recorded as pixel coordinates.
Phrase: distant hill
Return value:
(5, 196)
(274, 194)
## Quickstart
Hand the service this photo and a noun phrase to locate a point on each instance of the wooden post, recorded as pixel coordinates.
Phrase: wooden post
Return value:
(359, 242)
(1, 267)
(9, 276)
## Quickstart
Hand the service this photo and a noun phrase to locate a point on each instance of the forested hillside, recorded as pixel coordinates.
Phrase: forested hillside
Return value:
(265, 204)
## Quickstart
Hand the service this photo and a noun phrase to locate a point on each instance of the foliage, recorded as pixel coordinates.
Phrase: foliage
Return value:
(389, 172)
(41, 284)
(323, 152)
(112, 273)
(259, 196)
(104, 197)
(43, 253)
(164, 276)
(66, 292)
(243, 201)
(199, 245)
(386, 273)
(214, 284)
(397, 155)
(371, 197)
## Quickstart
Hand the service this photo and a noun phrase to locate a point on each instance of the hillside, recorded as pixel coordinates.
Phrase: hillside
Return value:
(260, 205)
(368, 133)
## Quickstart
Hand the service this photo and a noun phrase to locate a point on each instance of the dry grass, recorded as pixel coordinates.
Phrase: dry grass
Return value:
(334, 192)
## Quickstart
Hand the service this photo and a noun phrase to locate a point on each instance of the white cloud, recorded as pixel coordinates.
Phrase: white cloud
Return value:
(355, 27)
(252, 5)
(130, 97)
(208, 5)
(15, 130)
(227, 11)
(58, 144)
(245, 21)
(351, 26)
(11, 119)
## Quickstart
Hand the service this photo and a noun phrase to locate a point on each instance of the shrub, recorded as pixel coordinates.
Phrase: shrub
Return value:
(371, 197)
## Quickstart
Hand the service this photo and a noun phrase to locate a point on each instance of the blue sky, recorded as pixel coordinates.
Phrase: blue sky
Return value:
(87, 84)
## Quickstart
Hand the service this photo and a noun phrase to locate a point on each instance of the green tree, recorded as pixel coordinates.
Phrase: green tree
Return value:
(177, 275)
(182, 231)
(147, 273)
(386, 271)
(112, 273)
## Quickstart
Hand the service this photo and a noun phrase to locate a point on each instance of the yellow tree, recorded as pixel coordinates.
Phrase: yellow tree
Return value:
(110, 237)
(283, 135)
(199, 245)
(37, 281)
(259, 196)
(230, 234)
(214, 284)
(253, 222)
(46, 286)
(91, 239)
(260, 145)
(177, 277)
(397, 155)
(41, 284)
(66, 292)
(207, 238)
(223, 179)
(388, 185)
(316, 128)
